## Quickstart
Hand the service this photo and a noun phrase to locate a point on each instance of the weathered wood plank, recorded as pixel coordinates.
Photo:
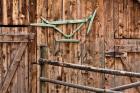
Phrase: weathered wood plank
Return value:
(77, 86)
(128, 17)
(78, 48)
(92, 69)
(127, 48)
(108, 38)
(74, 12)
(43, 69)
(13, 67)
(1, 11)
(65, 47)
(82, 48)
(32, 8)
(57, 9)
(4, 12)
(122, 18)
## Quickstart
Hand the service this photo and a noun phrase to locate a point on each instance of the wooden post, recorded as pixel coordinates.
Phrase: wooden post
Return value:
(127, 86)
(92, 69)
(42, 68)
(43, 79)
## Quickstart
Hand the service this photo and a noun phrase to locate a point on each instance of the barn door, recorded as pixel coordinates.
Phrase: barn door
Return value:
(123, 40)
(15, 61)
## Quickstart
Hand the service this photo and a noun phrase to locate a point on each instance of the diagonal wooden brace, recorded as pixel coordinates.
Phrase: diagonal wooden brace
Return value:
(14, 65)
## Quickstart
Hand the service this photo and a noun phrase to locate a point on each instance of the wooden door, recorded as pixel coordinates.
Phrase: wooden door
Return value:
(122, 40)
(18, 13)
(15, 60)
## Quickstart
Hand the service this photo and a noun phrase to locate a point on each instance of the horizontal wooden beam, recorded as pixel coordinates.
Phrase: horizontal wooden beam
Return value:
(122, 50)
(13, 25)
(10, 41)
(43, 79)
(127, 86)
(115, 54)
(127, 48)
(19, 37)
(89, 68)
(15, 34)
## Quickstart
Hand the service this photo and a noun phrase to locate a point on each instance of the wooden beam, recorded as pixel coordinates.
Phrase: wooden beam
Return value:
(14, 65)
(89, 68)
(13, 25)
(42, 69)
(115, 54)
(20, 38)
(122, 50)
(127, 48)
(14, 41)
(127, 86)
(98, 90)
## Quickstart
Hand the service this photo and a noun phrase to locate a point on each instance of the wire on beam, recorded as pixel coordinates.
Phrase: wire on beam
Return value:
(43, 79)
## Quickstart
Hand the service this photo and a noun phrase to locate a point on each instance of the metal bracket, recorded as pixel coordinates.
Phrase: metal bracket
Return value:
(41, 61)
(115, 54)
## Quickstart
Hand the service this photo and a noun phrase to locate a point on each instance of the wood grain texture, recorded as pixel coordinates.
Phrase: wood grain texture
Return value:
(13, 67)
(116, 27)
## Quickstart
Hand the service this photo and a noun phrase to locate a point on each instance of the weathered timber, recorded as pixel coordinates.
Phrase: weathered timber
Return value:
(15, 34)
(127, 86)
(91, 21)
(13, 67)
(12, 25)
(93, 69)
(57, 29)
(61, 22)
(14, 41)
(42, 79)
(53, 24)
(42, 68)
(127, 48)
(115, 54)
(20, 37)
(128, 67)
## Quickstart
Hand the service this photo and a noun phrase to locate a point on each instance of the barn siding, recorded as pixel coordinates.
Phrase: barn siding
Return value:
(117, 23)
(19, 12)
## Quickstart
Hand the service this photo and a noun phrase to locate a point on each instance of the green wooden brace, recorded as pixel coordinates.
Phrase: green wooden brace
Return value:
(52, 24)
(62, 22)
(91, 21)
(68, 40)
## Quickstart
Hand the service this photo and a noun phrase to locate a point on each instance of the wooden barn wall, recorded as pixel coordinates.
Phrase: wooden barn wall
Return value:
(87, 52)
(122, 29)
(122, 26)
(17, 12)
(117, 23)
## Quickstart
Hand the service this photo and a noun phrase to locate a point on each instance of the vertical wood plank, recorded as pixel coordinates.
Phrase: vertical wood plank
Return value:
(1, 12)
(32, 8)
(111, 28)
(42, 69)
(65, 47)
(13, 68)
(73, 47)
(4, 8)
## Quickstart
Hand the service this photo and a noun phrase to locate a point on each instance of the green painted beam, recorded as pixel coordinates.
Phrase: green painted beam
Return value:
(62, 22)
(68, 41)
(91, 21)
